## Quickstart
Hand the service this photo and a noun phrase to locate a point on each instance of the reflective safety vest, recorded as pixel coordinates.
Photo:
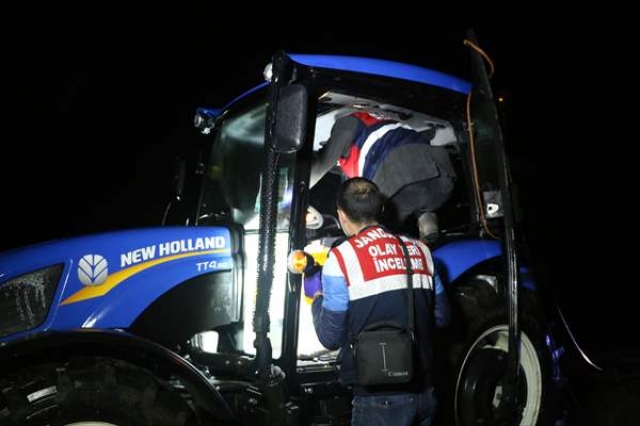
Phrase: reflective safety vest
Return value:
(373, 263)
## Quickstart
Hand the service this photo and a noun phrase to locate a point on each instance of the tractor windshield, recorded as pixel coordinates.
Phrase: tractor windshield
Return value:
(233, 175)
(231, 195)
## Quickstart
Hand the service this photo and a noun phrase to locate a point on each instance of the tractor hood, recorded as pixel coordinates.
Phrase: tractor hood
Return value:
(75, 282)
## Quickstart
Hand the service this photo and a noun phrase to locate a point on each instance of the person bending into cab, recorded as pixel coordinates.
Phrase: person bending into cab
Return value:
(417, 178)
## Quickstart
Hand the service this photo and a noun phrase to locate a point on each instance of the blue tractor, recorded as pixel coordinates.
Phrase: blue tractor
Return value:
(203, 323)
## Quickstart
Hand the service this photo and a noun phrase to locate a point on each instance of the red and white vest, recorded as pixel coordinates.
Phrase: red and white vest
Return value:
(373, 263)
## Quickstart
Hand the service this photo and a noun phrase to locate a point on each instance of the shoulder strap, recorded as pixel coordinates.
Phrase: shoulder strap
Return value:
(410, 313)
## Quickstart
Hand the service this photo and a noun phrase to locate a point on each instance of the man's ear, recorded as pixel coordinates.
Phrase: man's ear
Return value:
(343, 220)
(341, 215)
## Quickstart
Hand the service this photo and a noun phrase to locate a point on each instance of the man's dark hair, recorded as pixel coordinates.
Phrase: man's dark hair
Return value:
(360, 199)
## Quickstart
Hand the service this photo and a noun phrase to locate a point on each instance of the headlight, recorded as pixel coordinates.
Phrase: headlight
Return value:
(25, 300)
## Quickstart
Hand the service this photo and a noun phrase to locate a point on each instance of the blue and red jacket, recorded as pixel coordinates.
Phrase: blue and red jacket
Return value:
(387, 152)
(373, 140)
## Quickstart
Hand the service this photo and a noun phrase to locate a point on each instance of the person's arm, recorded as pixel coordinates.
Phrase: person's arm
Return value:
(342, 135)
(442, 312)
(329, 308)
(442, 308)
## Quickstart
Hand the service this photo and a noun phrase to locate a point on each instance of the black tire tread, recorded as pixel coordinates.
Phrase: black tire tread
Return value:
(90, 388)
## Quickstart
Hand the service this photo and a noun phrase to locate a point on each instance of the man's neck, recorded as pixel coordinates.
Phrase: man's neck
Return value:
(360, 226)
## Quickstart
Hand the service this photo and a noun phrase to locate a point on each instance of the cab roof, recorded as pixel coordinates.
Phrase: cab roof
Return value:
(385, 68)
(380, 67)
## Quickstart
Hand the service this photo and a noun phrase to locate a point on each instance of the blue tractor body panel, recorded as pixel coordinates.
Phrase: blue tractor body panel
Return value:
(457, 257)
(109, 279)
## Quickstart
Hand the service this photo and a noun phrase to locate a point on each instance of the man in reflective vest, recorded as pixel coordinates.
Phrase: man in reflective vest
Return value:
(364, 281)
(416, 177)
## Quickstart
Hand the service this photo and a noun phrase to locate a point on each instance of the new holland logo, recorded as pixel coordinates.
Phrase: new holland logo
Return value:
(93, 269)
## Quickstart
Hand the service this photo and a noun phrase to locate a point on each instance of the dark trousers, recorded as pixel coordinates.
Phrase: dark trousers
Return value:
(416, 198)
(403, 409)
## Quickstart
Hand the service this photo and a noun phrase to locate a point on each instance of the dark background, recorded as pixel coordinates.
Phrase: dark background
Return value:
(97, 101)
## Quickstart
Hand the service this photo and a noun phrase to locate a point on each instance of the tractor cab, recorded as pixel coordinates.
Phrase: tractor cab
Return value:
(258, 181)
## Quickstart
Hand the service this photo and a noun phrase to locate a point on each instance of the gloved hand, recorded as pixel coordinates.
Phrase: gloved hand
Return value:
(312, 285)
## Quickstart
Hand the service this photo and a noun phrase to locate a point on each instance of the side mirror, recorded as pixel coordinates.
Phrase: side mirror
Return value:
(290, 125)
(205, 118)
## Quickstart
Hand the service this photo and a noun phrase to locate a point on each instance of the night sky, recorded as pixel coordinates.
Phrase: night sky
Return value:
(98, 101)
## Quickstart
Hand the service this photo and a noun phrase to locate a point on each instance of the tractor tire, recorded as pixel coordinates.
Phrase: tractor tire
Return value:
(90, 391)
(478, 379)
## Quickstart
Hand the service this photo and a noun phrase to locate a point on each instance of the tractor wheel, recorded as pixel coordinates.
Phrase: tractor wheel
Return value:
(90, 391)
(480, 395)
